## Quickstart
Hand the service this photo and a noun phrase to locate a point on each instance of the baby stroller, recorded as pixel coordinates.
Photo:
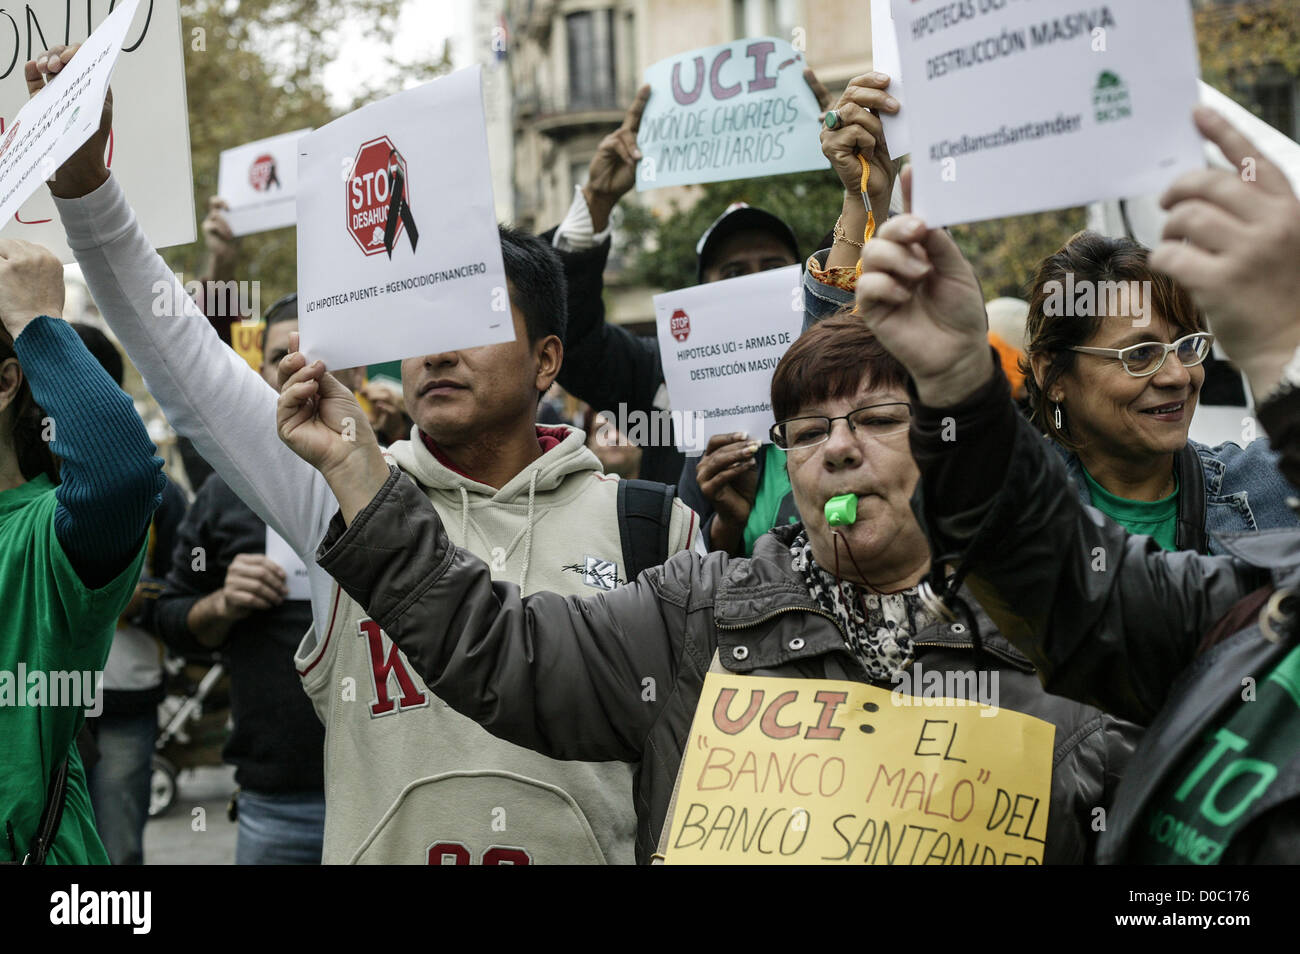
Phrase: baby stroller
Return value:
(193, 722)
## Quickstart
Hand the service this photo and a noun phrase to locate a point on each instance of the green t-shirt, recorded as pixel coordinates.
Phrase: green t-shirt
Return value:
(1152, 518)
(1196, 812)
(54, 637)
(774, 503)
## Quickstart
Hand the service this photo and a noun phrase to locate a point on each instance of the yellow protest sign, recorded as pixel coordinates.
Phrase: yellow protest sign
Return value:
(246, 338)
(811, 771)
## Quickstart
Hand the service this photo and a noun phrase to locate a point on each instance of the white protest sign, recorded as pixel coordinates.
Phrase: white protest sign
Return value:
(731, 111)
(63, 115)
(398, 249)
(1023, 107)
(259, 181)
(149, 150)
(720, 343)
(884, 59)
(279, 552)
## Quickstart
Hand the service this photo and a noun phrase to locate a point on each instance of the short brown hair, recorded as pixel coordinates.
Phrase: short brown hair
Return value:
(830, 361)
(1089, 257)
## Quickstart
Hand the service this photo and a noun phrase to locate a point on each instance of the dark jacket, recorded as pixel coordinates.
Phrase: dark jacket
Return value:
(607, 365)
(277, 743)
(1108, 618)
(565, 676)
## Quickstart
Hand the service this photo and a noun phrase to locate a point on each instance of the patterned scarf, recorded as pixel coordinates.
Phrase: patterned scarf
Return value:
(882, 639)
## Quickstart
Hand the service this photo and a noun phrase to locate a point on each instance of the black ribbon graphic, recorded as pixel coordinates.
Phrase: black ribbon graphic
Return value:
(273, 178)
(397, 207)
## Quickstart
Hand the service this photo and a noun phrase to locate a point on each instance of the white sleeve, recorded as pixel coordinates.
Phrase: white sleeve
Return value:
(207, 391)
(575, 233)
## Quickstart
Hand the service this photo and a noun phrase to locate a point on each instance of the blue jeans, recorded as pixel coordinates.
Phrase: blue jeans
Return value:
(284, 828)
(119, 783)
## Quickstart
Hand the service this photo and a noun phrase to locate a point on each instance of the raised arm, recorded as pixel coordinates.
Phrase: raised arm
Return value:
(110, 478)
(565, 677)
(560, 675)
(207, 391)
(1108, 618)
(604, 365)
(851, 131)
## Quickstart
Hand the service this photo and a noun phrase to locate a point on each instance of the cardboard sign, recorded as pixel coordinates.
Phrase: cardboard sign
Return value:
(398, 249)
(730, 111)
(720, 343)
(149, 150)
(56, 121)
(259, 181)
(884, 59)
(247, 338)
(1022, 107)
(811, 771)
(278, 551)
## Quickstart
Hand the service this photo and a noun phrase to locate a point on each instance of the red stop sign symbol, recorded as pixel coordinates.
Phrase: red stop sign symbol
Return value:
(261, 174)
(369, 192)
(680, 325)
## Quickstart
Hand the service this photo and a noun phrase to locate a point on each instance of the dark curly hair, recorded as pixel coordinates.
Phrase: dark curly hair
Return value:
(34, 454)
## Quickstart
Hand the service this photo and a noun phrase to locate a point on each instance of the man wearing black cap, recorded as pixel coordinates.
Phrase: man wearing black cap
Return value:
(744, 240)
(606, 365)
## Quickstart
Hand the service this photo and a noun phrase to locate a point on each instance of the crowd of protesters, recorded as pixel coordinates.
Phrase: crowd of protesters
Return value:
(490, 589)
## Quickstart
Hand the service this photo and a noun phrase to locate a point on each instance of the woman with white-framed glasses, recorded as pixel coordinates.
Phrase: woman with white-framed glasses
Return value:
(1114, 368)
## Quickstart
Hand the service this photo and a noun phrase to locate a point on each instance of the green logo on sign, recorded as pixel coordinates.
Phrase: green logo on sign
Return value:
(1110, 99)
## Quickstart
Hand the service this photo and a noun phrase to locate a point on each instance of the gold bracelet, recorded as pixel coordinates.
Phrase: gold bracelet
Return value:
(842, 236)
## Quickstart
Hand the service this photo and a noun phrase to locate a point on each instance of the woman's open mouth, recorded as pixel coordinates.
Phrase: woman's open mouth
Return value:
(1171, 413)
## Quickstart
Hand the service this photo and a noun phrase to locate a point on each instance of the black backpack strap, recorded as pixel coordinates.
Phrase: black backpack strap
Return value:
(1190, 534)
(645, 511)
(48, 827)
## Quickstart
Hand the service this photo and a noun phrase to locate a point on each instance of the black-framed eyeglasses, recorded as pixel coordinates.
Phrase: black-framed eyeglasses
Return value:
(874, 420)
(1148, 357)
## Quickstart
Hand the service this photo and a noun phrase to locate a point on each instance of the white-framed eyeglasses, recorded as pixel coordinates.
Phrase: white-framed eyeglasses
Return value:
(1146, 358)
(875, 420)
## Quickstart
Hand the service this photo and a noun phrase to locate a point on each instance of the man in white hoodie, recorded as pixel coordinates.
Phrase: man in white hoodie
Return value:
(407, 779)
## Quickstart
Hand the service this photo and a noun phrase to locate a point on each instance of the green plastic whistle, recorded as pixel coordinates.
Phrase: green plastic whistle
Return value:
(842, 510)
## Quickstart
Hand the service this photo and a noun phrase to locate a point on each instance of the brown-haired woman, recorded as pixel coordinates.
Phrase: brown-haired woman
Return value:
(1114, 361)
(566, 676)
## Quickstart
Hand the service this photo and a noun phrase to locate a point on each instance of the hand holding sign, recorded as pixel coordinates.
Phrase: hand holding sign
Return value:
(85, 170)
(319, 419)
(253, 583)
(220, 241)
(920, 297)
(728, 479)
(856, 130)
(31, 284)
(1234, 241)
